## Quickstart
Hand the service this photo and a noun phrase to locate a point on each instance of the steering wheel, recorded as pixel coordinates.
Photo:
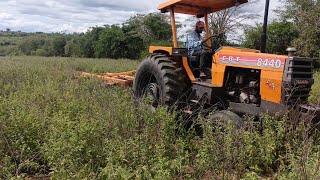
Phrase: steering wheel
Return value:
(214, 38)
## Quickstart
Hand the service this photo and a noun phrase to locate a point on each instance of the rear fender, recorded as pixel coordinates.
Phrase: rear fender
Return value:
(160, 50)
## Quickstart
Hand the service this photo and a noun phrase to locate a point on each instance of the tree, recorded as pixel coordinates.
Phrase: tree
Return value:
(305, 15)
(151, 27)
(8, 29)
(111, 43)
(57, 45)
(280, 36)
(229, 21)
(89, 40)
(53, 46)
(134, 45)
(30, 44)
(73, 48)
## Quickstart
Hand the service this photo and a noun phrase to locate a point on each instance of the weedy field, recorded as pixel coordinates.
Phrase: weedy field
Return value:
(55, 124)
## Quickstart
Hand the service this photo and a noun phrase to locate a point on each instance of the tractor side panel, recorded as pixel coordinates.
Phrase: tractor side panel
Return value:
(271, 66)
(271, 86)
(218, 73)
(250, 60)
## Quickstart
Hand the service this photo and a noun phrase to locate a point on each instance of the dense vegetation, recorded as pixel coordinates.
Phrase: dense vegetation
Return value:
(280, 35)
(52, 122)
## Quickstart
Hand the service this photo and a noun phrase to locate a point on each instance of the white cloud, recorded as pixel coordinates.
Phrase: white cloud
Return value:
(6, 16)
(79, 15)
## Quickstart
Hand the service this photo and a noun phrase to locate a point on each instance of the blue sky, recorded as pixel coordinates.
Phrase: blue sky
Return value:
(78, 15)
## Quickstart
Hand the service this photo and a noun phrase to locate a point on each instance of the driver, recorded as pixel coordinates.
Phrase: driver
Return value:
(194, 45)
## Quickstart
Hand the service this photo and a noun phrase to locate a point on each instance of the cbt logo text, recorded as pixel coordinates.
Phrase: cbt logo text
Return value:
(230, 58)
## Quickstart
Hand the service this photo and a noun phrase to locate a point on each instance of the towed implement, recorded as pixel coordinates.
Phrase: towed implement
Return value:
(239, 81)
(124, 79)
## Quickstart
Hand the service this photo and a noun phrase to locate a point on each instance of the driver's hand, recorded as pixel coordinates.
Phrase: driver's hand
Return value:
(220, 35)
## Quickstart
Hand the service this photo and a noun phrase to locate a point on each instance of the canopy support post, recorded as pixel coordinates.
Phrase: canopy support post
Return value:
(265, 26)
(208, 33)
(174, 28)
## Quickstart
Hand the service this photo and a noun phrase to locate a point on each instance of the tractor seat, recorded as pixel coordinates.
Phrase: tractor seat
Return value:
(194, 58)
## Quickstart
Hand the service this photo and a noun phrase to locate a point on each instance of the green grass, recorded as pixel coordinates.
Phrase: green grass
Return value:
(10, 39)
(54, 123)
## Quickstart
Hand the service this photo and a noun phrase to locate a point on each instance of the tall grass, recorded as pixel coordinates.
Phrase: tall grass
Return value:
(315, 94)
(54, 123)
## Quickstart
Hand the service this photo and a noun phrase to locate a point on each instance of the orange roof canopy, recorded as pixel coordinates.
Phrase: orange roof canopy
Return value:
(199, 7)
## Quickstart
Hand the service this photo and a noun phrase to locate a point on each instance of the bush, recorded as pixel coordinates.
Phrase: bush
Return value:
(41, 52)
(32, 43)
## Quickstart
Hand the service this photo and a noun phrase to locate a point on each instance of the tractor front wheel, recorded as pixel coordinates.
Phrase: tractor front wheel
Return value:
(162, 79)
(222, 118)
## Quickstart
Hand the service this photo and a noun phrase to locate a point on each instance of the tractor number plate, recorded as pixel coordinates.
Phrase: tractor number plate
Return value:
(253, 61)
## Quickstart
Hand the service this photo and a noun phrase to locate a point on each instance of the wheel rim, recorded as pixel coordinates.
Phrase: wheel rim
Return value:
(152, 91)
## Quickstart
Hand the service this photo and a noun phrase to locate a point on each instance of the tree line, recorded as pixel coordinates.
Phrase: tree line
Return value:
(128, 40)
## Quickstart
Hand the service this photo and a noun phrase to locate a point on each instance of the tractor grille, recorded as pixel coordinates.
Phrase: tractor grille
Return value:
(298, 80)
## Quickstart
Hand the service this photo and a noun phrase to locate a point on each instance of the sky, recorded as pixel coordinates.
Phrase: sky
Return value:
(78, 15)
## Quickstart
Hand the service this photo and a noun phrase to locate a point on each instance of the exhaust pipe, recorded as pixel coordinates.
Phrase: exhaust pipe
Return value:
(265, 26)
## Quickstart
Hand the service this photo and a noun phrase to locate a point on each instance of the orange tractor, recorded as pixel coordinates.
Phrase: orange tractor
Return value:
(240, 81)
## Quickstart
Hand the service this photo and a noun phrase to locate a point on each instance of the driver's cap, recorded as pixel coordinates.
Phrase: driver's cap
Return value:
(200, 24)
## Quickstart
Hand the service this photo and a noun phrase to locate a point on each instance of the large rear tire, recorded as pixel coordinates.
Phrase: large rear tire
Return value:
(163, 79)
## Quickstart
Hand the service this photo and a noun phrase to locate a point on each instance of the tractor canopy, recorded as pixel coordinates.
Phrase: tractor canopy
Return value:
(199, 7)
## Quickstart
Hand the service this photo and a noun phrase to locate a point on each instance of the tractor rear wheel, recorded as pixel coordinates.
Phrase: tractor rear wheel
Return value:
(162, 79)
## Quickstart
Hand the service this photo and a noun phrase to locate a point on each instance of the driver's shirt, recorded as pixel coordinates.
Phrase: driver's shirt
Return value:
(193, 43)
